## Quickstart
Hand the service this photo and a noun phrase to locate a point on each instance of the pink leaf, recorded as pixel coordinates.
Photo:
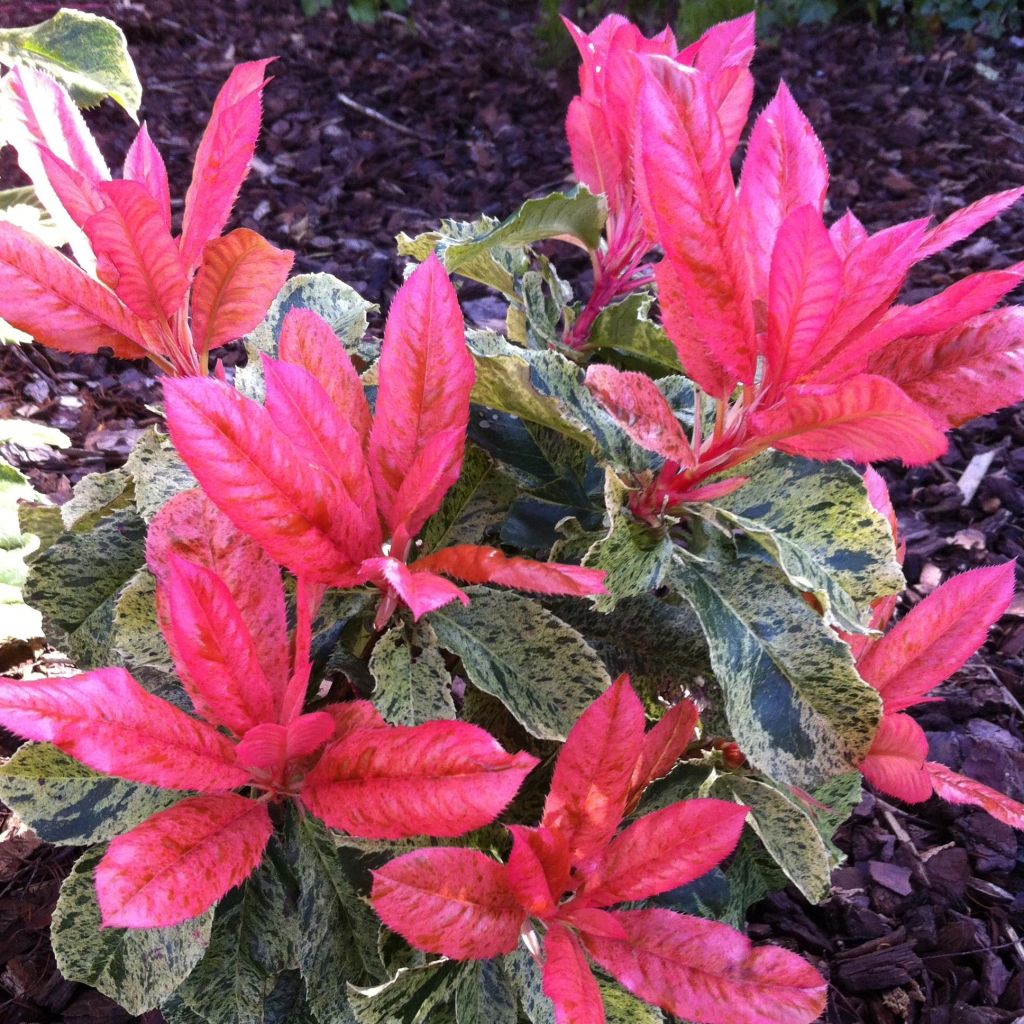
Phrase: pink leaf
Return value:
(538, 869)
(238, 278)
(269, 747)
(352, 715)
(257, 478)
(80, 199)
(440, 779)
(846, 234)
(304, 414)
(966, 372)
(590, 785)
(937, 636)
(131, 233)
(664, 745)
(106, 720)
(641, 410)
(222, 160)
(191, 526)
(214, 650)
(878, 495)
(895, 762)
(47, 296)
(596, 162)
(689, 202)
(705, 971)
(568, 982)
(473, 564)
(664, 850)
(864, 419)
(958, 789)
(959, 225)
(784, 169)
(308, 341)
(434, 469)
(421, 592)
(181, 861)
(803, 288)
(145, 165)
(449, 901)
(426, 375)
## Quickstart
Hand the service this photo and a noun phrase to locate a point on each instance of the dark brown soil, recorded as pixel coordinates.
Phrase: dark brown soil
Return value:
(925, 921)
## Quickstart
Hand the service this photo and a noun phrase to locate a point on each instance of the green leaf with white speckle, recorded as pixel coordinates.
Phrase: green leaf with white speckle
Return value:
(484, 994)
(626, 328)
(158, 473)
(413, 685)
(416, 995)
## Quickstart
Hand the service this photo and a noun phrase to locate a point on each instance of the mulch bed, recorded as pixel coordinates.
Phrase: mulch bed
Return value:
(926, 920)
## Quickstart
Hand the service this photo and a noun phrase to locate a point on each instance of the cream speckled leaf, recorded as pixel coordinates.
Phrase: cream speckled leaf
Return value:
(484, 994)
(541, 669)
(137, 967)
(413, 685)
(626, 327)
(786, 831)
(794, 701)
(622, 1008)
(416, 995)
(525, 975)
(338, 931)
(815, 519)
(157, 472)
(69, 804)
(253, 940)
(95, 496)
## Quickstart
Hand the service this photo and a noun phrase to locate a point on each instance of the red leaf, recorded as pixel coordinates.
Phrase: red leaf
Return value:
(269, 747)
(449, 901)
(663, 850)
(47, 296)
(596, 162)
(863, 419)
(308, 341)
(473, 564)
(181, 861)
(145, 165)
(664, 745)
(222, 160)
(440, 779)
(106, 720)
(968, 371)
(958, 789)
(538, 868)
(937, 636)
(568, 982)
(641, 410)
(966, 221)
(239, 277)
(784, 169)
(435, 468)
(257, 478)
(895, 762)
(803, 288)
(705, 971)
(352, 715)
(421, 592)
(590, 785)
(426, 375)
(686, 190)
(214, 651)
(304, 414)
(131, 233)
(191, 526)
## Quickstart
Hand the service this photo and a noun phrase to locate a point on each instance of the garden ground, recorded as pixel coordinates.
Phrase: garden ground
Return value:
(374, 130)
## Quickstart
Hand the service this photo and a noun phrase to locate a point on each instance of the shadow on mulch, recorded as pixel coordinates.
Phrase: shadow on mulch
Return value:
(925, 921)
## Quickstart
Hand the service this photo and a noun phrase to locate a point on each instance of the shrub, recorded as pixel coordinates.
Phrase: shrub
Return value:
(307, 652)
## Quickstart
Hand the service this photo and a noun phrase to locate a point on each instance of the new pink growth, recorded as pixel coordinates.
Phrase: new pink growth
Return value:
(563, 874)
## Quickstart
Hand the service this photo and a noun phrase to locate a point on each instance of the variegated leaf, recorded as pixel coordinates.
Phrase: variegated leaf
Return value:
(413, 685)
(416, 995)
(484, 994)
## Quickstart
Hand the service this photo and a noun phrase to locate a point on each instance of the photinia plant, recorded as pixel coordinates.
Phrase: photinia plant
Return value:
(563, 875)
(136, 289)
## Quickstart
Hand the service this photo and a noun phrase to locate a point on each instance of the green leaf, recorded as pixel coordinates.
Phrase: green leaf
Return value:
(622, 1008)
(477, 502)
(17, 620)
(413, 685)
(525, 975)
(338, 931)
(484, 994)
(69, 804)
(416, 995)
(815, 520)
(87, 54)
(75, 584)
(137, 967)
(95, 496)
(157, 472)
(540, 668)
(336, 302)
(626, 328)
(786, 831)
(840, 797)
(174, 1011)
(21, 207)
(254, 939)
(687, 781)
(752, 874)
(794, 701)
